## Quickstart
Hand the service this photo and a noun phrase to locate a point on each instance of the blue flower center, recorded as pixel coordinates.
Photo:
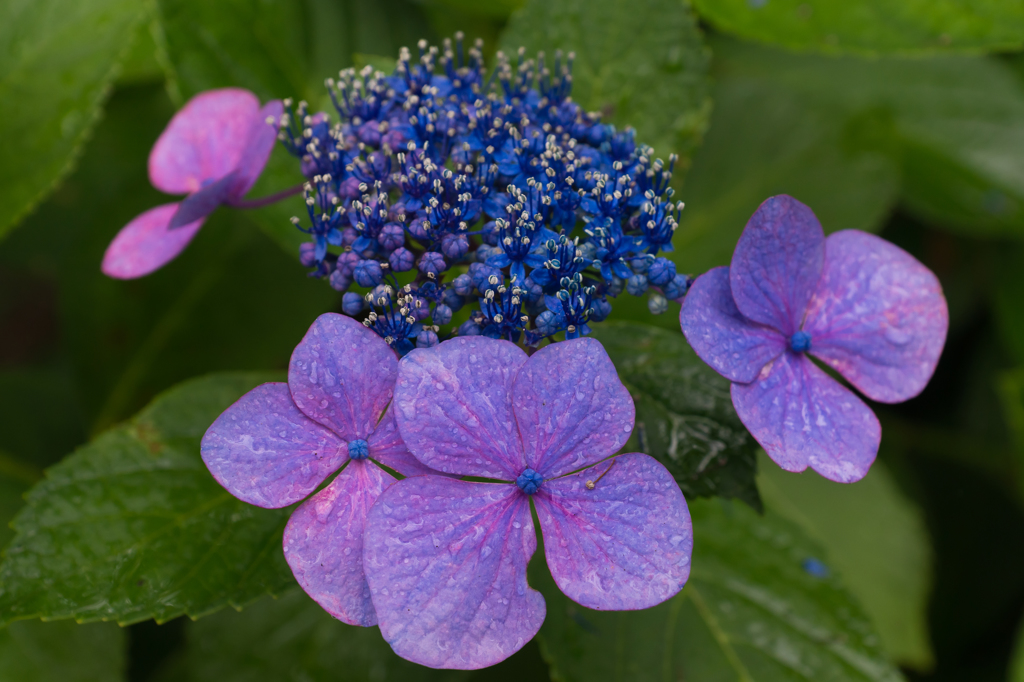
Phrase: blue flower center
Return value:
(800, 342)
(529, 481)
(359, 449)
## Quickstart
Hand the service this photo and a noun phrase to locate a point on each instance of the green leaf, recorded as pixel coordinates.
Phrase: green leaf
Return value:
(641, 63)
(684, 414)
(872, 26)
(132, 526)
(59, 59)
(749, 612)
(1017, 664)
(290, 639)
(875, 538)
(62, 652)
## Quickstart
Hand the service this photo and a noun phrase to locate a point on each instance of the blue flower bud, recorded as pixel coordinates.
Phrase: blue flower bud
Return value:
(442, 314)
(640, 264)
(352, 303)
(676, 289)
(546, 323)
(452, 299)
(657, 304)
(381, 292)
(469, 328)
(636, 285)
(602, 308)
(426, 339)
(615, 287)
(368, 273)
(454, 246)
(391, 236)
(661, 272)
(307, 254)
(463, 285)
(401, 259)
(340, 281)
(432, 263)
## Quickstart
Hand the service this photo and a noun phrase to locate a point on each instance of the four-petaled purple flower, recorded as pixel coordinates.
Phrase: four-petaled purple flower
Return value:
(859, 304)
(280, 441)
(214, 150)
(446, 559)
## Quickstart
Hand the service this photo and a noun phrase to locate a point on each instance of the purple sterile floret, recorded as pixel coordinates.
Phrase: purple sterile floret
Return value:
(856, 302)
(280, 442)
(214, 150)
(446, 560)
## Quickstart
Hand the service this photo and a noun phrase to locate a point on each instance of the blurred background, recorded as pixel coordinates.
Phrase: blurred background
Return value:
(901, 118)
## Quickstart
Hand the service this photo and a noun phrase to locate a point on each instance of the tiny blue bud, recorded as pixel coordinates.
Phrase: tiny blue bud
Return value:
(426, 339)
(401, 259)
(340, 281)
(391, 236)
(800, 342)
(657, 304)
(469, 328)
(368, 273)
(463, 285)
(676, 289)
(452, 299)
(442, 314)
(358, 449)
(602, 308)
(615, 287)
(307, 254)
(381, 291)
(661, 272)
(454, 246)
(640, 264)
(352, 303)
(433, 263)
(546, 323)
(636, 285)
(529, 481)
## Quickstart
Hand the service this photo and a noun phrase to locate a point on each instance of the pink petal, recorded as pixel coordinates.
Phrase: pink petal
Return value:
(147, 243)
(623, 545)
(453, 404)
(570, 407)
(803, 417)
(879, 316)
(200, 204)
(204, 141)
(387, 447)
(342, 375)
(777, 264)
(267, 453)
(720, 335)
(323, 542)
(260, 141)
(446, 562)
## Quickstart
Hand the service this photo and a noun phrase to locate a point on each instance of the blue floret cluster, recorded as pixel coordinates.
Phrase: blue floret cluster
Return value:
(442, 187)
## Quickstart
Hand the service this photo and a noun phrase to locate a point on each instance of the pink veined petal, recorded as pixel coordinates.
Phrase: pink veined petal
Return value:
(323, 542)
(204, 141)
(446, 563)
(259, 144)
(267, 453)
(720, 335)
(803, 417)
(625, 544)
(777, 264)
(147, 243)
(453, 404)
(878, 317)
(387, 447)
(570, 406)
(342, 375)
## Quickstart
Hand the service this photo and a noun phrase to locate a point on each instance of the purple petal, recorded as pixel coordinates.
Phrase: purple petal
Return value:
(267, 453)
(323, 542)
(777, 263)
(446, 562)
(388, 448)
(734, 346)
(147, 243)
(879, 316)
(623, 545)
(570, 407)
(202, 203)
(204, 141)
(803, 417)
(342, 375)
(453, 404)
(259, 144)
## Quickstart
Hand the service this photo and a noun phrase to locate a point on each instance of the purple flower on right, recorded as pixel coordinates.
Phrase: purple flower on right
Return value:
(854, 301)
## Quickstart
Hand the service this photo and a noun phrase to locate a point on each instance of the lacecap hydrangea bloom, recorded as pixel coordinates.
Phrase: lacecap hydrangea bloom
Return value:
(280, 441)
(446, 559)
(214, 150)
(857, 303)
(496, 192)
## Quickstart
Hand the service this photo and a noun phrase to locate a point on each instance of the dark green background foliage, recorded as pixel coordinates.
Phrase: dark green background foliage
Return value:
(900, 117)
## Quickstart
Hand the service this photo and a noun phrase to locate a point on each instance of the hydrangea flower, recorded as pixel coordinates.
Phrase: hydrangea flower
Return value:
(857, 303)
(214, 150)
(446, 559)
(280, 441)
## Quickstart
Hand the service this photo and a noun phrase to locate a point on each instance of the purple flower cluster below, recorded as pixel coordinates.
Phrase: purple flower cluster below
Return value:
(463, 187)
